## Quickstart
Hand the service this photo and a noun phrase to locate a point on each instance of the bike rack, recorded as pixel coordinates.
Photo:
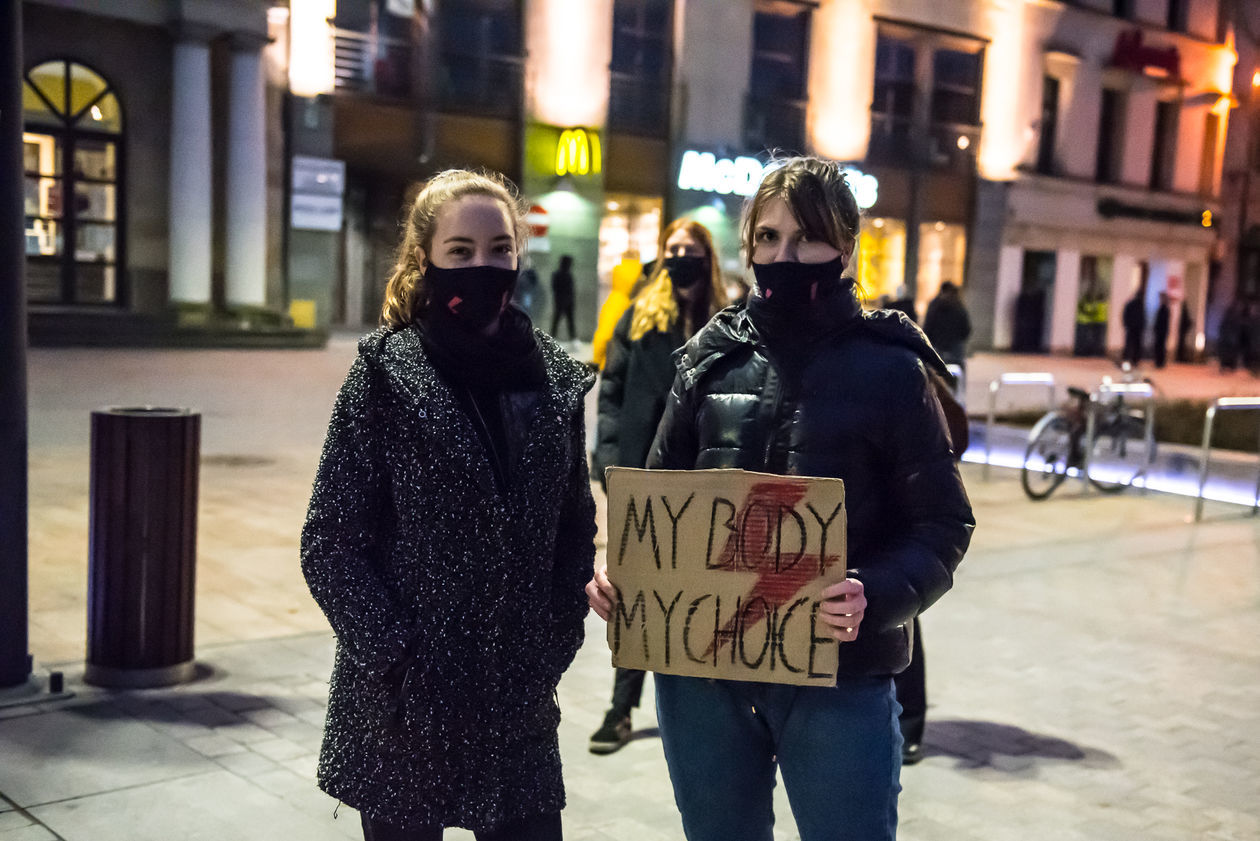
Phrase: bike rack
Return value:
(1038, 379)
(1209, 419)
(1127, 390)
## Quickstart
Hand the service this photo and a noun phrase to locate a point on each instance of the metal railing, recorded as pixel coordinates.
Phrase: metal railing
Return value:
(1209, 420)
(1143, 392)
(372, 64)
(1038, 379)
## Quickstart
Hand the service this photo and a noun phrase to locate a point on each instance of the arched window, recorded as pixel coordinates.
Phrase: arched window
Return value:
(71, 146)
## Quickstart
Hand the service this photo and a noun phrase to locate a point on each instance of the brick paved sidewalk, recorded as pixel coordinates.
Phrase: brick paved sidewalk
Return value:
(1094, 675)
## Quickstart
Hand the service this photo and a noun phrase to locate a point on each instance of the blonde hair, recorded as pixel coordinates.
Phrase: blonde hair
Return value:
(817, 193)
(406, 295)
(655, 307)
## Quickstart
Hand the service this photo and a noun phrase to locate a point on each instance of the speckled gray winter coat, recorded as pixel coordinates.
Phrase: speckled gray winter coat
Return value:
(408, 547)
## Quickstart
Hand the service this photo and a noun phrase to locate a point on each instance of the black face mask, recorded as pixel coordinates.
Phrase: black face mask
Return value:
(686, 272)
(795, 286)
(473, 295)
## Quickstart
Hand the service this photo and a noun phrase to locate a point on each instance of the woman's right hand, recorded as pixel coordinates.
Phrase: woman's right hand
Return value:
(600, 593)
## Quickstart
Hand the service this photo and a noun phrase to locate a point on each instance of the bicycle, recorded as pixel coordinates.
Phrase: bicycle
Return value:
(1056, 445)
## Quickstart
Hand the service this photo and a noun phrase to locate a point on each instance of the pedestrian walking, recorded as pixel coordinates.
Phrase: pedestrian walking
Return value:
(624, 277)
(526, 287)
(1185, 324)
(562, 296)
(801, 382)
(947, 325)
(1160, 328)
(1134, 318)
(449, 536)
(1229, 337)
(683, 292)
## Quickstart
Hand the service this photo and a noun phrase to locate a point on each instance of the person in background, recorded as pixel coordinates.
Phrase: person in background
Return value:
(562, 297)
(450, 533)
(624, 276)
(1185, 324)
(903, 302)
(1134, 319)
(526, 286)
(801, 382)
(1163, 323)
(683, 292)
(947, 325)
(1229, 337)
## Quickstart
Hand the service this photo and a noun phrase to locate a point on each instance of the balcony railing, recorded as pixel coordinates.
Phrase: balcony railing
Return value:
(898, 141)
(372, 64)
(774, 124)
(638, 105)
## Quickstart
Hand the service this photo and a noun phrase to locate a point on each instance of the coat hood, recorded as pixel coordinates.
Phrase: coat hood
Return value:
(733, 327)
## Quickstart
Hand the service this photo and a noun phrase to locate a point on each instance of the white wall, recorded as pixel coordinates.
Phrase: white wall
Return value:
(1010, 266)
(714, 61)
(1067, 281)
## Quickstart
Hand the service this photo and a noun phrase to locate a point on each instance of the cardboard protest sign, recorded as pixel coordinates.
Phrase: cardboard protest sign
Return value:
(719, 573)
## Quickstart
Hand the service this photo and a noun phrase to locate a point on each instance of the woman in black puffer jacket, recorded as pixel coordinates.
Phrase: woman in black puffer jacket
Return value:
(802, 382)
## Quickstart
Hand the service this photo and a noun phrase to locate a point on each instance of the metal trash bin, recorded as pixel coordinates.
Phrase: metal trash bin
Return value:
(142, 546)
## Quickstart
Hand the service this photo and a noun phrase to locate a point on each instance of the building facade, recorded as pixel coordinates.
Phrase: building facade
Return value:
(152, 172)
(1053, 158)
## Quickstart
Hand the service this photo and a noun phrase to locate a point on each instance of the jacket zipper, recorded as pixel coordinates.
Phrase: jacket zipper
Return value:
(772, 426)
(496, 465)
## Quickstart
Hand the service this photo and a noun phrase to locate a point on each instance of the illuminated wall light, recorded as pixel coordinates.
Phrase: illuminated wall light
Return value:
(1255, 79)
(311, 47)
(569, 44)
(96, 113)
(1003, 112)
(964, 142)
(1206, 219)
(841, 75)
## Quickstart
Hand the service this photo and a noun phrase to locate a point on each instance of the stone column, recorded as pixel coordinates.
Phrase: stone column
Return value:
(191, 207)
(246, 210)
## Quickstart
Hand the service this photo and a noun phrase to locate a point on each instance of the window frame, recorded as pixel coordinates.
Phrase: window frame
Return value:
(65, 134)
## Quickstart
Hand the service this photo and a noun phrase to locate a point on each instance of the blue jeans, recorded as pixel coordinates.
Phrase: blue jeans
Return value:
(839, 749)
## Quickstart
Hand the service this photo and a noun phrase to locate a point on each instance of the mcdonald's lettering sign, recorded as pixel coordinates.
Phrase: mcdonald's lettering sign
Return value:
(578, 153)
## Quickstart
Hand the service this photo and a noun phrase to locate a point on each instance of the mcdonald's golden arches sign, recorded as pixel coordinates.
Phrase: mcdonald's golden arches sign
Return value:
(578, 152)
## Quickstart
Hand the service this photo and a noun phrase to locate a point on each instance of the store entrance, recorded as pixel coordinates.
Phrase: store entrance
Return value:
(1036, 289)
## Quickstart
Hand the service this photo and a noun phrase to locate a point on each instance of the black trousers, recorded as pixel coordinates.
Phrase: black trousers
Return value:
(567, 314)
(534, 828)
(1132, 347)
(912, 692)
(627, 690)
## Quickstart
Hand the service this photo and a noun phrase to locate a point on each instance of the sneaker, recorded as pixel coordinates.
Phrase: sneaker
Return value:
(614, 733)
(911, 753)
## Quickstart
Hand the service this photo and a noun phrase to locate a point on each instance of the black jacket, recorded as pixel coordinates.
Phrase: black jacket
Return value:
(411, 548)
(847, 396)
(632, 393)
(948, 327)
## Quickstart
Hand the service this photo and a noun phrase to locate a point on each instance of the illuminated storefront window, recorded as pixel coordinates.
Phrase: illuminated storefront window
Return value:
(629, 223)
(70, 147)
(881, 257)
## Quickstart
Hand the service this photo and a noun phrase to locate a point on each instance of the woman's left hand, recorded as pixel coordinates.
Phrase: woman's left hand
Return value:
(844, 605)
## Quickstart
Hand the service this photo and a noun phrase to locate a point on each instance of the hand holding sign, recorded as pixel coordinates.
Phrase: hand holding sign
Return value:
(726, 573)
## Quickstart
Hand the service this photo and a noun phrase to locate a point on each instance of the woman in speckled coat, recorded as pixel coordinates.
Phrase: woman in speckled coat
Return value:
(449, 536)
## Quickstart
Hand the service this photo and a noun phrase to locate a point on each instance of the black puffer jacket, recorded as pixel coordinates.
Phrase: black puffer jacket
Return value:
(409, 546)
(846, 396)
(632, 393)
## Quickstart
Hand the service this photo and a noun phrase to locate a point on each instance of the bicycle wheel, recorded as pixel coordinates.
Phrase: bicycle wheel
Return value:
(1119, 453)
(1047, 457)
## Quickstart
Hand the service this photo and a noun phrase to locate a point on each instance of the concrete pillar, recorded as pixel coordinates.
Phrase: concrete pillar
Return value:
(246, 211)
(1067, 284)
(191, 211)
(1009, 276)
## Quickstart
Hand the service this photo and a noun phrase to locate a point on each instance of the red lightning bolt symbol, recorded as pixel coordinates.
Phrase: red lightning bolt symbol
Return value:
(772, 588)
